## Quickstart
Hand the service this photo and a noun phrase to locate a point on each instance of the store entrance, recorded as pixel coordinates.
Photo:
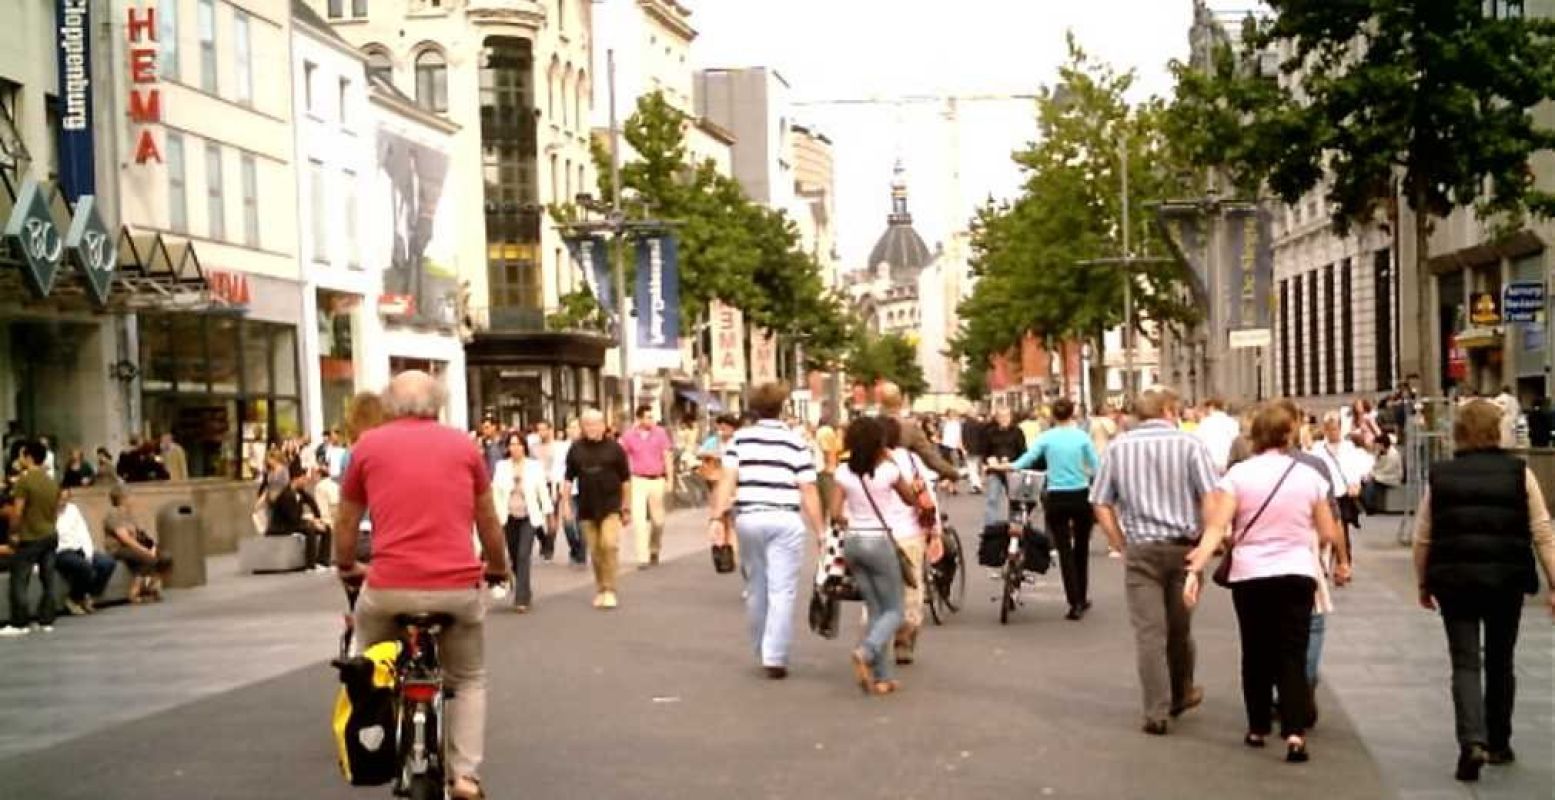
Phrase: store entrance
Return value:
(51, 383)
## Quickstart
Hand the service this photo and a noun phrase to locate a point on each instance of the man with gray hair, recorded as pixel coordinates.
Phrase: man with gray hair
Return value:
(426, 486)
(1150, 495)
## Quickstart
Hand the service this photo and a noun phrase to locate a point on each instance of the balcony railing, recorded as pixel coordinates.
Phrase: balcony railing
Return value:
(524, 12)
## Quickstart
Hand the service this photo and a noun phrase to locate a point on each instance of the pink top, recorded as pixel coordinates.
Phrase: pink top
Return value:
(645, 450)
(420, 481)
(1284, 538)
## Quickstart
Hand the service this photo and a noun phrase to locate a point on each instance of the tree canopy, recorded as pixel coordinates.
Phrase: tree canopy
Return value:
(875, 357)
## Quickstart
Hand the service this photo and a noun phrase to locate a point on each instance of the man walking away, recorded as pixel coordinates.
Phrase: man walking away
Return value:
(1218, 430)
(37, 508)
(426, 487)
(1071, 461)
(828, 439)
(1150, 496)
(893, 404)
(597, 467)
(651, 456)
(952, 442)
(770, 486)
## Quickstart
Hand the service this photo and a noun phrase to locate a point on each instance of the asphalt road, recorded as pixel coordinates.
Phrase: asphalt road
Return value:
(661, 699)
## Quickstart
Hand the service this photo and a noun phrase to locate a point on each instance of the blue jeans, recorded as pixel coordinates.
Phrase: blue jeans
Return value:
(86, 577)
(1315, 646)
(772, 549)
(996, 503)
(872, 560)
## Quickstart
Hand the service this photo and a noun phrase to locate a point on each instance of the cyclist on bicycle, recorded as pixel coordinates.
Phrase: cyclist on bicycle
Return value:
(426, 486)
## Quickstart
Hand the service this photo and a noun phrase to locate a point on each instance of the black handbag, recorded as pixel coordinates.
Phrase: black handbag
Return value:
(723, 558)
(1222, 574)
(825, 613)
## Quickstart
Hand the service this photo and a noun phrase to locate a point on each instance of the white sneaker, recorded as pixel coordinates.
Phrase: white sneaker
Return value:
(10, 632)
(46, 628)
(608, 601)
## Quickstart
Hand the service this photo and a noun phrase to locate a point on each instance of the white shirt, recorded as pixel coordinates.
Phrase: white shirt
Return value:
(950, 434)
(905, 526)
(862, 520)
(1219, 432)
(1510, 411)
(335, 460)
(327, 494)
(1348, 463)
(74, 534)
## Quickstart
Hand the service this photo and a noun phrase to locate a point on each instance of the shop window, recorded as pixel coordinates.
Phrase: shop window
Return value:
(156, 354)
(256, 359)
(432, 81)
(186, 340)
(283, 352)
(223, 350)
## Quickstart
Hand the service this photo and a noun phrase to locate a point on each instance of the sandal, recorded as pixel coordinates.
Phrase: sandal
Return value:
(861, 669)
(466, 788)
(881, 688)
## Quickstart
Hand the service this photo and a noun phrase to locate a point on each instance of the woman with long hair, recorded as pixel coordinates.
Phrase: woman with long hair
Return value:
(1275, 512)
(1479, 524)
(518, 489)
(870, 491)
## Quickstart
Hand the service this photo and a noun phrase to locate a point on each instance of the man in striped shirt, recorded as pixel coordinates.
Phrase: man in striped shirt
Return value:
(1150, 494)
(769, 486)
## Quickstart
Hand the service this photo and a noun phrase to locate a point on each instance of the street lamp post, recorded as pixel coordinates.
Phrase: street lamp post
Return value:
(617, 254)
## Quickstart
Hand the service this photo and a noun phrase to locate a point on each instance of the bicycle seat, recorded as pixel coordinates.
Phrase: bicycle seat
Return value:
(427, 620)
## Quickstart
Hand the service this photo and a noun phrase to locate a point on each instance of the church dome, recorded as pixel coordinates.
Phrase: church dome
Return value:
(900, 245)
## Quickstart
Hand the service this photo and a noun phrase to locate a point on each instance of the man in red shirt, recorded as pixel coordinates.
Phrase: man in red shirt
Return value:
(426, 486)
(651, 456)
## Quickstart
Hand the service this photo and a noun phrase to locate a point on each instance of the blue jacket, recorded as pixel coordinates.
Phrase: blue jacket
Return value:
(1071, 458)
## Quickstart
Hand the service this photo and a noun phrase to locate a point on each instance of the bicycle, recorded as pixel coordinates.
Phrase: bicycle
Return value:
(1025, 494)
(944, 581)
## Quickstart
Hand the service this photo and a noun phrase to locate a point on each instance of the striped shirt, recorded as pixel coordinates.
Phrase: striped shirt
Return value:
(1156, 478)
(769, 463)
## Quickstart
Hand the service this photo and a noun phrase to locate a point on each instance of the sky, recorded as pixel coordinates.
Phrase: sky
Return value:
(842, 49)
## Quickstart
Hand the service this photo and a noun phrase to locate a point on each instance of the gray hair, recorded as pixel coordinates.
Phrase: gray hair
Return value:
(416, 394)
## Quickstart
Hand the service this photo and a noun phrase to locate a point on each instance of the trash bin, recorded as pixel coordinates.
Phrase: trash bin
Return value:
(181, 537)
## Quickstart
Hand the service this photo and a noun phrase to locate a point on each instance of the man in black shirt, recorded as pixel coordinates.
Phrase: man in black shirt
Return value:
(294, 512)
(597, 467)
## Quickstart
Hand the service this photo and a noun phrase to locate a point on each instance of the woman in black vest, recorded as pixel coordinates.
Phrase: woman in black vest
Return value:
(1480, 522)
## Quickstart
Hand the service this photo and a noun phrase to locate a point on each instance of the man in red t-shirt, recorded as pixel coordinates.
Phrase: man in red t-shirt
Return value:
(426, 486)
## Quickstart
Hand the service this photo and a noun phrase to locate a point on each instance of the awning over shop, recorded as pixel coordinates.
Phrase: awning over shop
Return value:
(706, 401)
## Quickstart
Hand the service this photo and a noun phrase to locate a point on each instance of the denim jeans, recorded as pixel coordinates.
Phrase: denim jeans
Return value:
(1484, 682)
(1315, 646)
(35, 553)
(996, 503)
(576, 550)
(86, 577)
(872, 560)
(520, 535)
(772, 548)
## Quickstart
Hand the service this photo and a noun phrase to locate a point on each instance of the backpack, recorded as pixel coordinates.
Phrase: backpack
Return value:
(364, 728)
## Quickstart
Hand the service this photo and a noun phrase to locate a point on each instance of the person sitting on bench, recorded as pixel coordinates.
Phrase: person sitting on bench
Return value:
(85, 568)
(129, 543)
(294, 511)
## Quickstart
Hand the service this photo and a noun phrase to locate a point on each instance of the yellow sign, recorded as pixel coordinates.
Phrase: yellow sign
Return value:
(1483, 309)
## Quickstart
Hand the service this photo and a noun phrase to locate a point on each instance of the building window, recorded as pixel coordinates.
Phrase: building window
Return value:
(566, 90)
(556, 182)
(432, 81)
(358, 8)
(1314, 332)
(1346, 326)
(207, 12)
(243, 55)
(567, 180)
(309, 71)
(578, 104)
(345, 102)
(1298, 335)
(250, 201)
(318, 207)
(215, 198)
(1382, 271)
(337, 9)
(348, 207)
(510, 163)
(177, 190)
(379, 65)
(167, 40)
(1283, 325)
(561, 16)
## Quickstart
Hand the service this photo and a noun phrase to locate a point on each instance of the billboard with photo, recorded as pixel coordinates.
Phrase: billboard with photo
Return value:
(411, 222)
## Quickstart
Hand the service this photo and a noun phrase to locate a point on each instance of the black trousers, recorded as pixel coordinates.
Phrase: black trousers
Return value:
(1483, 714)
(1274, 616)
(35, 553)
(1069, 521)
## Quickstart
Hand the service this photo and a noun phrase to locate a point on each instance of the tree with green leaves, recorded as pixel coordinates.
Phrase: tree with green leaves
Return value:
(1430, 102)
(1035, 257)
(888, 357)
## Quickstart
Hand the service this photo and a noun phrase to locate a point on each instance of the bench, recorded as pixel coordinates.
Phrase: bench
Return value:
(117, 591)
(266, 554)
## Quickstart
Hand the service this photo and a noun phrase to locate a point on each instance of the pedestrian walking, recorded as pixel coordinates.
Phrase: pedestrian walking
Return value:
(651, 457)
(1349, 466)
(522, 502)
(36, 498)
(915, 527)
(597, 469)
(893, 404)
(769, 487)
(1274, 513)
(1150, 494)
(1071, 461)
(871, 490)
(1480, 522)
(974, 433)
(1003, 443)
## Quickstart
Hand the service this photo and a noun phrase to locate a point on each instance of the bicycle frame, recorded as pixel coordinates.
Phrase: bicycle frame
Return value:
(421, 697)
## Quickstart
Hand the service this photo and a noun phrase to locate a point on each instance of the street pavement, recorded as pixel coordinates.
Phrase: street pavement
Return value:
(225, 692)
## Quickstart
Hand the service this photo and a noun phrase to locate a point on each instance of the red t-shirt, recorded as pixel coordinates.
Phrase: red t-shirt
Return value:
(419, 481)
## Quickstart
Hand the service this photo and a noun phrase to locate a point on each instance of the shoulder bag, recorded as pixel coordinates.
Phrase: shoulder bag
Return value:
(909, 575)
(923, 501)
(1222, 574)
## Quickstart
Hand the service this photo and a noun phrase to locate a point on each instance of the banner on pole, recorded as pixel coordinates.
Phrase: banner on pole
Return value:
(728, 349)
(591, 254)
(658, 303)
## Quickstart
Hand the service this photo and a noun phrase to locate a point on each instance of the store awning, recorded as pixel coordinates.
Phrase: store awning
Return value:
(706, 401)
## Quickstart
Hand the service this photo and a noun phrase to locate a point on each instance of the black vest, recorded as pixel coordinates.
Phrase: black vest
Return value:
(1480, 532)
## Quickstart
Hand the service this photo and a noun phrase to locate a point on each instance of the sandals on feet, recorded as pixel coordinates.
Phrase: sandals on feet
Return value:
(861, 669)
(884, 687)
(466, 788)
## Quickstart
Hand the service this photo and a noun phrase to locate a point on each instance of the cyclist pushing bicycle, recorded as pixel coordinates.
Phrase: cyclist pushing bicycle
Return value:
(426, 486)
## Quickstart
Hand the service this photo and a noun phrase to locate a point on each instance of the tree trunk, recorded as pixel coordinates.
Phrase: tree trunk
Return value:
(1427, 317)
(1098, 370)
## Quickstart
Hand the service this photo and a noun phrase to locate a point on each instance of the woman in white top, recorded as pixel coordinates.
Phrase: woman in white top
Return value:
(870, 500)
(914, 539)
(519, 491)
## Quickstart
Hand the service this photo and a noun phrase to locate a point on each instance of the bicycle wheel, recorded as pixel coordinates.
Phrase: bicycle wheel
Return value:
(426, 787)
(954, 595)
(1012, 579)
(931, 593)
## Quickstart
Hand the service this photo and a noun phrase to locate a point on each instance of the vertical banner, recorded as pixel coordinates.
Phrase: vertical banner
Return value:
(77, 166)
(1249, 258)
(763, 357)
(658, 303)
(728, 350)
(592, 256)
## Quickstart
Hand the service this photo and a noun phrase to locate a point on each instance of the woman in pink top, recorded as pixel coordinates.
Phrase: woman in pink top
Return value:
(1279, 511)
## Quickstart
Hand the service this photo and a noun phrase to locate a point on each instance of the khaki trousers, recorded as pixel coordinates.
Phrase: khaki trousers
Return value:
(1163, 624)
(912, 596)
(462, 649)
(603, 539)
(648, 516)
